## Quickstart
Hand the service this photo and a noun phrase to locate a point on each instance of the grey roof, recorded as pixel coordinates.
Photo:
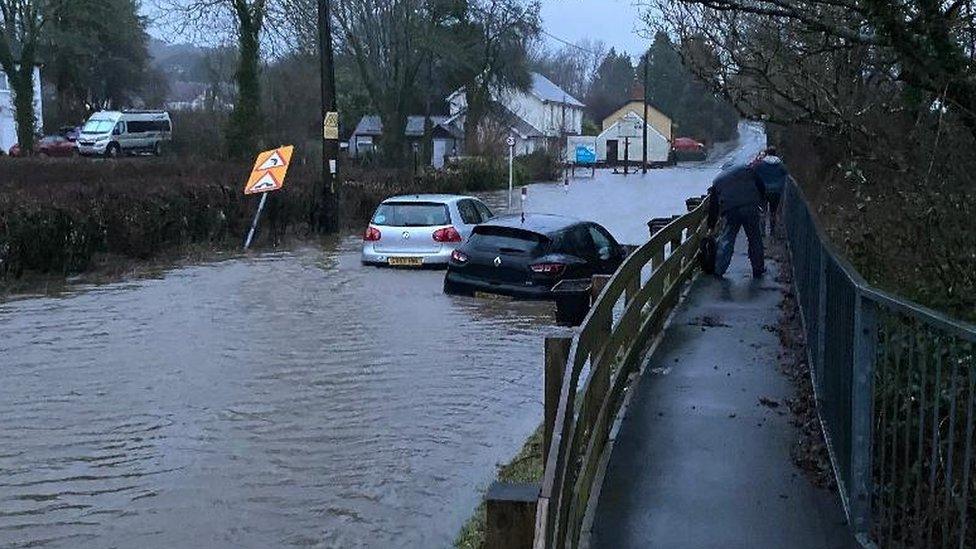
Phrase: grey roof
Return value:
(369, 125)
(372, 125)
(544, 89)
(415, 124)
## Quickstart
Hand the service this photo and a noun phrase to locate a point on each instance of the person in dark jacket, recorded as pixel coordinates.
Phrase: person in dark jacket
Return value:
(773, 173)
(737, 195)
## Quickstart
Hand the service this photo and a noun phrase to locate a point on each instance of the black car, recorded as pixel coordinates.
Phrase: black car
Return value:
(525, 257)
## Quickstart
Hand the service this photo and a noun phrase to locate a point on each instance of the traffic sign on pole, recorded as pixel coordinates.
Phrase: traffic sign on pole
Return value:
(269, 170)
(268, 174)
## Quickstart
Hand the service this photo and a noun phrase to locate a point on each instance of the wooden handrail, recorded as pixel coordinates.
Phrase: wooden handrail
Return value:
(583, 420)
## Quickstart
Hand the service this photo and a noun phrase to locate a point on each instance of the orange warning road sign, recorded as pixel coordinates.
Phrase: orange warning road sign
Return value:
(269, 170)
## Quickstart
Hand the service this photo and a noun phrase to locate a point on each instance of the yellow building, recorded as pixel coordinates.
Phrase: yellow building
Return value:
(655, 118)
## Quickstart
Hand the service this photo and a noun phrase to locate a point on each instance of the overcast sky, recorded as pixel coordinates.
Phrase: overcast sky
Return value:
(616, 22)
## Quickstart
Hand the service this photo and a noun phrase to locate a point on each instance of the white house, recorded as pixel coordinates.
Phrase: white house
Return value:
(8, 125)
(621, 143)
(545, 112)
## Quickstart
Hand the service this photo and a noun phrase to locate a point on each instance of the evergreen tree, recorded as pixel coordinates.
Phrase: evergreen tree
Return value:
(675, 91)
(611, 86)
(95, 55)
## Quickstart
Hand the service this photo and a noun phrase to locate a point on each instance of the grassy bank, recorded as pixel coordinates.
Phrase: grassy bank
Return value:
(61, 217)
(525, 467)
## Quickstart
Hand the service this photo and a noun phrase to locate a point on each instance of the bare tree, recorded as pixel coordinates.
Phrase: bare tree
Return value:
(384, 38)
(493, 46)
(245, 22)
(573, 66)
(865, 98)
(926, 45)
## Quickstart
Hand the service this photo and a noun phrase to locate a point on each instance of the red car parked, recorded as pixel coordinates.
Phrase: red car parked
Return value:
(51, 145)
(686, 148)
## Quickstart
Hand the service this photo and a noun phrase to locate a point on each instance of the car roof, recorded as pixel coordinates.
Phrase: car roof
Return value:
(535, 222)
(439, 198)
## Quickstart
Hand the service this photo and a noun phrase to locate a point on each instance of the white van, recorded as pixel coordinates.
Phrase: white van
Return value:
(114, 133)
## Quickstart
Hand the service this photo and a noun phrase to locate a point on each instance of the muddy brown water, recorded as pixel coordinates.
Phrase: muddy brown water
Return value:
(281, 399)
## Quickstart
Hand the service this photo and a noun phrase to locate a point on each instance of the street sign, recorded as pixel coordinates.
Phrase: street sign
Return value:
(585, 154)
(510, 141)
(269, 170)
(330, 125)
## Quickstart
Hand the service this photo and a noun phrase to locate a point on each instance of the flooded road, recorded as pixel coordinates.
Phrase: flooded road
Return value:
(281, 399)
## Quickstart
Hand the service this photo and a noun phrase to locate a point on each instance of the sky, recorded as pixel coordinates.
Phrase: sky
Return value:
(615, 22)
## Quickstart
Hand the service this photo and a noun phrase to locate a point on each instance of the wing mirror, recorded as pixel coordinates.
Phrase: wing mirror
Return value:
(604, 253)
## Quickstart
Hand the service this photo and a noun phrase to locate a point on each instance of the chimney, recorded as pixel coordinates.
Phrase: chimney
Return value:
(637, 92)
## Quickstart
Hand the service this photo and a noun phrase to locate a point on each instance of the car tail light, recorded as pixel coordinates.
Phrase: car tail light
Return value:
(447, 234)
(459, 256)
(550, 269)
(372, 234)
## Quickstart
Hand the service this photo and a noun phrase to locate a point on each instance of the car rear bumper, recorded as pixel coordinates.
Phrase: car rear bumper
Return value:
(437, 259)
(457, 283)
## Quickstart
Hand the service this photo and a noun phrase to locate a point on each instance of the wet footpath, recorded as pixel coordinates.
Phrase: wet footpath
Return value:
(702, 457)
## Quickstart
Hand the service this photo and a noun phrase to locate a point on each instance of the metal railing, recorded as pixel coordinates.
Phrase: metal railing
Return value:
(610, 346)
(895, 385)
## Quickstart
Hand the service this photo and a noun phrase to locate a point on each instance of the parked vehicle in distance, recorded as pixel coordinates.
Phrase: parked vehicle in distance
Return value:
(525, 257)
(50, 145)
(686, 148)
(114, 133)
(420, 230)
(70, 133)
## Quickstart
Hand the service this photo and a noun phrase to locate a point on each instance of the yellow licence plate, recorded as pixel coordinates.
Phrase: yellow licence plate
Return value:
(405, 261)
(487, 295)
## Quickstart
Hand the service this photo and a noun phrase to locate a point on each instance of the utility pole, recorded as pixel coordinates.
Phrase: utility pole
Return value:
(565, 142)
(327, 217)
(644, 129)
(626, 153)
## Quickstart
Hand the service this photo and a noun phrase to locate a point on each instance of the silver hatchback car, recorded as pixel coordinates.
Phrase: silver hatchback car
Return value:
(421, 230)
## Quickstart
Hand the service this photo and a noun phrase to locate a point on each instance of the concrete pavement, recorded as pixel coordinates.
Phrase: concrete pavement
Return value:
(699, 462)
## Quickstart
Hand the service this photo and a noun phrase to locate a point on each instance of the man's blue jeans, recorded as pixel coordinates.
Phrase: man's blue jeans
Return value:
(745, 217)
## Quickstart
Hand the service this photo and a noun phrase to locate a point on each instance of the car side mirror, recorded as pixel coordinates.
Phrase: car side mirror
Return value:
(604, 253)
(116, 131)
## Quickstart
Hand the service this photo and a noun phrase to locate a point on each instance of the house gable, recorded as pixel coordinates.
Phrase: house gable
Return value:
(656, 119)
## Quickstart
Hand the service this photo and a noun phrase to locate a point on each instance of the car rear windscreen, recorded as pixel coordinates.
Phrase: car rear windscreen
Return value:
(508, 239)
(411, 214)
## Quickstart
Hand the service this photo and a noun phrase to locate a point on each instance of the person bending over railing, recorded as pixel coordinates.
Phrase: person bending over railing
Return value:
(738, 196)
(773, 173)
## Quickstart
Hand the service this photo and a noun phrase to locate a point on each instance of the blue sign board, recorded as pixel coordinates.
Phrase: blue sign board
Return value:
(585, 155)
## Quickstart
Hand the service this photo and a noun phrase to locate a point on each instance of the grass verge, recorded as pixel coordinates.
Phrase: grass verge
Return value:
(525, 467)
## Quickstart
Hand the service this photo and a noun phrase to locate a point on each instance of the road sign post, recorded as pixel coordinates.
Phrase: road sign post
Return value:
(268, 174)
(254, 222)
(511, 161)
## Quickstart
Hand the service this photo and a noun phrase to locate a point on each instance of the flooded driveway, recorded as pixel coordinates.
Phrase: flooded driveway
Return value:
(281, 399)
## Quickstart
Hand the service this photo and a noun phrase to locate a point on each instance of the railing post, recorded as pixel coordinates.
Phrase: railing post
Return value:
(556, 359)
(821, 342)
(510, 515)
(862, 400)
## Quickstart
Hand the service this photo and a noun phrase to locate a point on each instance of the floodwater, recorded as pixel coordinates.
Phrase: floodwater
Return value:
(281, 399)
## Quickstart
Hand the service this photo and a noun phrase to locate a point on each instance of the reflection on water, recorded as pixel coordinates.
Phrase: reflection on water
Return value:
(286, 399)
